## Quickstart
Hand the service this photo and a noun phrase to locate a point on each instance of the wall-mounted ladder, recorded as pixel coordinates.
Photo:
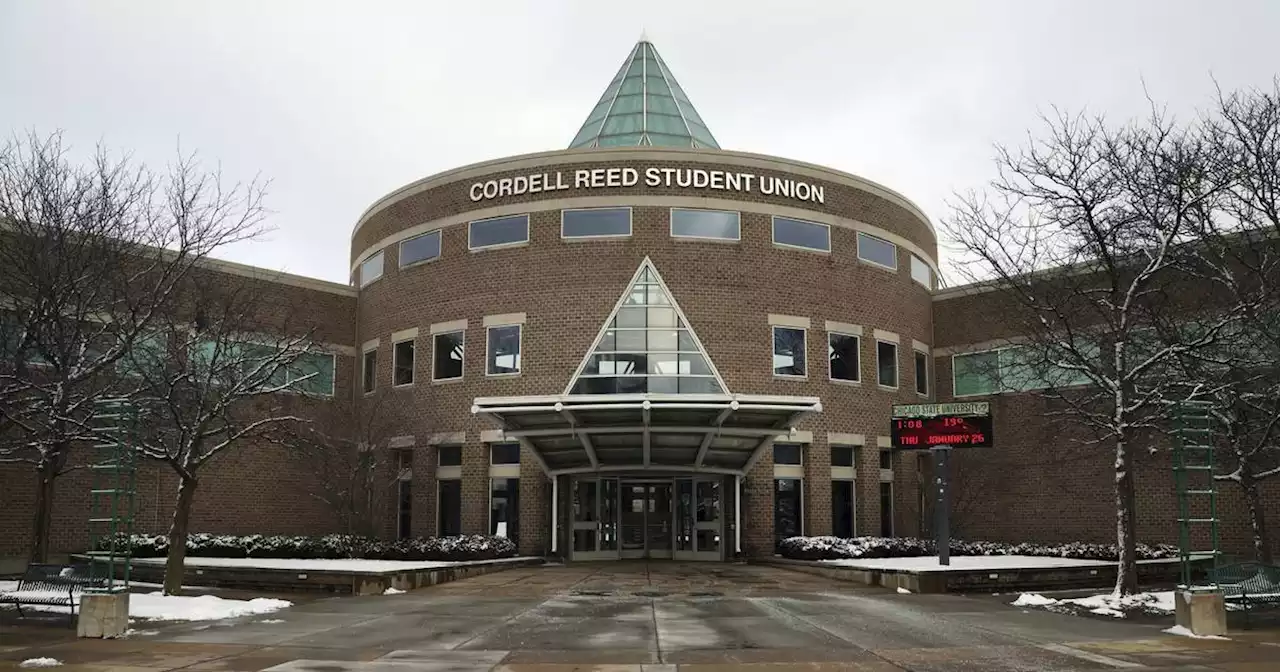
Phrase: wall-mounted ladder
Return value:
(114, 470)
(1197, 491)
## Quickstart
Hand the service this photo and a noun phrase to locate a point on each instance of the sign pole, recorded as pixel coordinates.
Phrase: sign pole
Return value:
(942, 503)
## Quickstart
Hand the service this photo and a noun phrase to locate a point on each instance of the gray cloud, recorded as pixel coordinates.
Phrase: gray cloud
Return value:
(340, 103)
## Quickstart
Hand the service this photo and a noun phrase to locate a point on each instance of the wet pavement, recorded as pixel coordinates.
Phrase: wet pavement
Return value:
(652, 616)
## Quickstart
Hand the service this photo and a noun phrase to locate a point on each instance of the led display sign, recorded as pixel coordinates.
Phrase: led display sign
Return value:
(925, 426)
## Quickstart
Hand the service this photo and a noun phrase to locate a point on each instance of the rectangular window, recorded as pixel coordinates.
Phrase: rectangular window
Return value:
(920, 272)
(313, 373)
(975, 373)
(842, 456)
(449, 350)
(886, 509)
(369, 371)
(371, 269)
(713, 224)
(842, 517)
(788, 352)
(877, 251)
(886, 459)
(787, 503)
(404, 494)
(786, 453)
(504, 453)
(596, 223)
(799, 233)
(504, 508)
(887, 363)
(498, 231)
(402, 363)
(450, 508)
(922, 373)
(843, 352)
(420, 248)
(504, 350)
(450, 456)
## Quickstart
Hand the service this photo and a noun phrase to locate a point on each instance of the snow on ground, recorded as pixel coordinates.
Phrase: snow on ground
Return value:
(319, 565)
(393, 591)
(929, 563)
(1183, 631)
(40, 662)
(903, 591)
(1105, 605)
(160, 607)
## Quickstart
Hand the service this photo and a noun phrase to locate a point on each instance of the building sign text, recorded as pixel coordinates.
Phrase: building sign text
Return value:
(691, 178)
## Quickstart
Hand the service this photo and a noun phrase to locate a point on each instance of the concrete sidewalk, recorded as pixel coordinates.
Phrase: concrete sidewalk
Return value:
(655, 616)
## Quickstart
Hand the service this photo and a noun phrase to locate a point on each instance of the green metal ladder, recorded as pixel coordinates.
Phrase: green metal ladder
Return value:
(1193, 471)
(114, 469)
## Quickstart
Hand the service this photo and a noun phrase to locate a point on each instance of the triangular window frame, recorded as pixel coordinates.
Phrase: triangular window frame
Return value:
(648, 265)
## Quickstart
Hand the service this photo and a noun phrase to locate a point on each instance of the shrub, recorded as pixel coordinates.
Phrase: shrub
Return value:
(328, 547)
(836, 548)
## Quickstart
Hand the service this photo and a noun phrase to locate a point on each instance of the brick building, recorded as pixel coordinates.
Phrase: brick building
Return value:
(647, 346)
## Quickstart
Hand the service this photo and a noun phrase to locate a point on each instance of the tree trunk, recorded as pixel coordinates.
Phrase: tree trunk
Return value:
(1126, 542)
(178, 532)
(1257, 518)
(46, 476)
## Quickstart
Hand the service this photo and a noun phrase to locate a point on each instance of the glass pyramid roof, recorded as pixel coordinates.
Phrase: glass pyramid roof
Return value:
(644, 106)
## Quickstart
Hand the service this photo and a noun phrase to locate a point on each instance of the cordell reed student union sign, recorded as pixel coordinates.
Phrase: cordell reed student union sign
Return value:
(691, 178)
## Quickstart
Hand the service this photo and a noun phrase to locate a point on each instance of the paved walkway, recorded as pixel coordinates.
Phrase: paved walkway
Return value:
(655, 616)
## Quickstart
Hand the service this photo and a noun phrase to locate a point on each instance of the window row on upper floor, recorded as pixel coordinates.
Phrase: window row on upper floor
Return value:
(844, 356)
(616, 222)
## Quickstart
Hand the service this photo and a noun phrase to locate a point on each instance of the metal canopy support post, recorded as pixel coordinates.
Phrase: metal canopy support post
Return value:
(555, 517)
(737, 513)
(942, 502)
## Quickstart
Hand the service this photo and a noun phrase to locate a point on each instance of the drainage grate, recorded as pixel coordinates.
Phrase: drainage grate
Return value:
(594, 593)
(706, 593)
(650, 593)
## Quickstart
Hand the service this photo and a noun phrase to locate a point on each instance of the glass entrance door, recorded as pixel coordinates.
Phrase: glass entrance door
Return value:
(646, 519)
(595, 519)
(699, 522)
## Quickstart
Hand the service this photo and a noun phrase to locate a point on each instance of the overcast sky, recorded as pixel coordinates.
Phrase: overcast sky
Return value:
(341, 102)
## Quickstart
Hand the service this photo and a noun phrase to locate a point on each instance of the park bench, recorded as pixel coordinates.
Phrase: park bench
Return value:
(1248, 583)
(55, 585)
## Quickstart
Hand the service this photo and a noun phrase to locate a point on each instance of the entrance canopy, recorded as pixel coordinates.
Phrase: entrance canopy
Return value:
(584, 433)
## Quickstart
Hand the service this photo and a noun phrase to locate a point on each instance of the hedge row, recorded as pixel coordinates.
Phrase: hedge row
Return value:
(836, 548)
(329, 547)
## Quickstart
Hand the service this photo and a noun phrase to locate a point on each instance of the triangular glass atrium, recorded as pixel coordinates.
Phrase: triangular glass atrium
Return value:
(647, 346)
(644, 106)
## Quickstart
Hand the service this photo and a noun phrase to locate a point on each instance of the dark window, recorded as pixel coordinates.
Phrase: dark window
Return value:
(799, 233)
(402, 358)
(843, 350)
(842, 508)
(505, 453)
(788, 351)
(602, 222)
(786, 453)
(450, 523)
(842, 456)
(877, 251)
(504, 350)
(886, 459)
(887, 363)
(449, 348)
(404, 524)
(451, 456)
(504, 508)
(786, 508)
(886, 509)
(369, 371)
(922, 373)
(420, 248)
(498, 231)
(717, 224)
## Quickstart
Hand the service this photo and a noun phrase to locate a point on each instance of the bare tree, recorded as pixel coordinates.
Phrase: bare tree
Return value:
(347, 454)
(1078, 239)
(221, 373)
(90, 254)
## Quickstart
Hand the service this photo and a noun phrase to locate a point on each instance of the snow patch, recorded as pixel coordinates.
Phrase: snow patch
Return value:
(1033, 600)
(160, 607)
(1183, 631)
(271, 620)
(903, 591)
(393, 591)
(140, 633)
(965, 562)
(40, 662)
(362, 566)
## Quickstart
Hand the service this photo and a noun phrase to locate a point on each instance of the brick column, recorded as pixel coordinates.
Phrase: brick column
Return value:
(817, 487)
(868, 488)
(906, 494)
(535, 499)
(475, 487)
(425, 460)
(757, 508)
